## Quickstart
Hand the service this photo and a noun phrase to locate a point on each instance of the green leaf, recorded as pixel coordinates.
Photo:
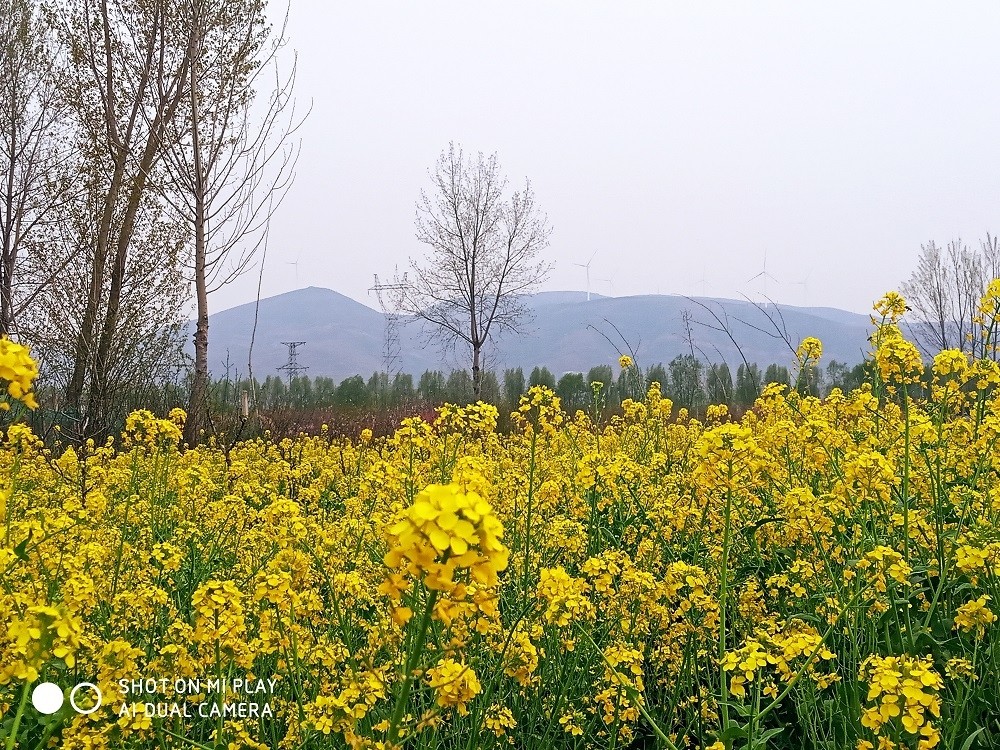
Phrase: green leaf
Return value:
(740, 708)
(762, 740)
(734, 731)
(971, 738)
(21, 550)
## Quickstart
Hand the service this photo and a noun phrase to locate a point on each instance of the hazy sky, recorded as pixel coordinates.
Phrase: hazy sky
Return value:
(680, 141)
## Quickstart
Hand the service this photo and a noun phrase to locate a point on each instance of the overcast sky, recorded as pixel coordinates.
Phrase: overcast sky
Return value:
(680, 141)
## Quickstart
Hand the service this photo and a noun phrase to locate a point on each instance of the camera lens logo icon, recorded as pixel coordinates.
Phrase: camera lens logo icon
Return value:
(47, 697)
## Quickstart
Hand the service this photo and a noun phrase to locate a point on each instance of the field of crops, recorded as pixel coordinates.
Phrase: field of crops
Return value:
(815, 574)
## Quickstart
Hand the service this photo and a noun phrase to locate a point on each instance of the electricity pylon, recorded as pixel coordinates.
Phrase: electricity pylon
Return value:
(292, 366)
(392, 355)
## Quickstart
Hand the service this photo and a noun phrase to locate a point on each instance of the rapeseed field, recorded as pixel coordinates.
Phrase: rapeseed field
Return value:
(812, 574)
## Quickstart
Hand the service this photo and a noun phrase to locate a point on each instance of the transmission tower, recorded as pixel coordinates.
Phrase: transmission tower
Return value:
(292, 366)
(391, 358)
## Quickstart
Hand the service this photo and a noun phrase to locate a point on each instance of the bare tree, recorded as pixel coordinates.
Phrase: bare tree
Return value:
(230, 160)
(482, 258)
(146, 349)
(989, 251)
(944, 293)
(34, 174)
(125, 76)
(720, 323)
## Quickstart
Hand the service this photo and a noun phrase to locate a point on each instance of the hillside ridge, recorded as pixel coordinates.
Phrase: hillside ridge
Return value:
(567, 333)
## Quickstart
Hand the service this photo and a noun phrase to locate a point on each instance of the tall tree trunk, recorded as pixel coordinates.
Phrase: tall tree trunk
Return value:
(7, 229)
(7, 281)
(198, 402)
(151, 152)
(101, 363)
(477, 372)
(83, 349)
(92, 349)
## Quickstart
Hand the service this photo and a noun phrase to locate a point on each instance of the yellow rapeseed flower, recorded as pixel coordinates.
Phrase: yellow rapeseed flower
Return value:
(19, 370)
(810, 350)
(446, 530)
(454, 684)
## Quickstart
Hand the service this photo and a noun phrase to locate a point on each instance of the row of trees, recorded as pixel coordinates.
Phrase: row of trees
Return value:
(142, 150)
(687, 381)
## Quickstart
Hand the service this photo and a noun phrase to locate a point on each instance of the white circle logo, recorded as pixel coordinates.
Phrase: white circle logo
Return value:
(72, 698)
(47, 697)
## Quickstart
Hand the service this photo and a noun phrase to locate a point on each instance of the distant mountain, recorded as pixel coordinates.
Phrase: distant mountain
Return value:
(567, 335)
(344, 337)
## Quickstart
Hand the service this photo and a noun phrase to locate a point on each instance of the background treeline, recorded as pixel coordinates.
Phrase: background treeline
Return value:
(689, 382)
(378, 401)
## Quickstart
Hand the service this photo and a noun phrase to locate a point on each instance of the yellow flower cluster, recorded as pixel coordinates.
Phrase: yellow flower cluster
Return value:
(445, 530)
(990, 303)
(975, 616)
(42, 633)
(786, 654)
(891, 306)
(500, 719)
(619, 701)
(220, 620)
(810, 350)
(746, 661)
(478, 418)
(971, 557)
(19, 370)
(951, 362)
(521, 656)
(903, 689)
(144, 428)
(454, 685)
(565, 597)
(539, 409)
(340, 711)
(884, 562)
(898, 360)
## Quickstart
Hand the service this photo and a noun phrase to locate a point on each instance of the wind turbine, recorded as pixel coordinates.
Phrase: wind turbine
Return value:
(587, 266)
(296, 264)
(805, 287)
(703, 281)
(611, 284)
(764, 276)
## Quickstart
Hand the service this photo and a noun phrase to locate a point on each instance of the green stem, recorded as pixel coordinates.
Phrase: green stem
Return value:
(723, 594)
(905, 487)
(44, 739)
(812, 656)
(905, 484)
(527, 530)
(12, 737)
(633, 694)
(188, 740)
(416, 647)
(494, 684)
